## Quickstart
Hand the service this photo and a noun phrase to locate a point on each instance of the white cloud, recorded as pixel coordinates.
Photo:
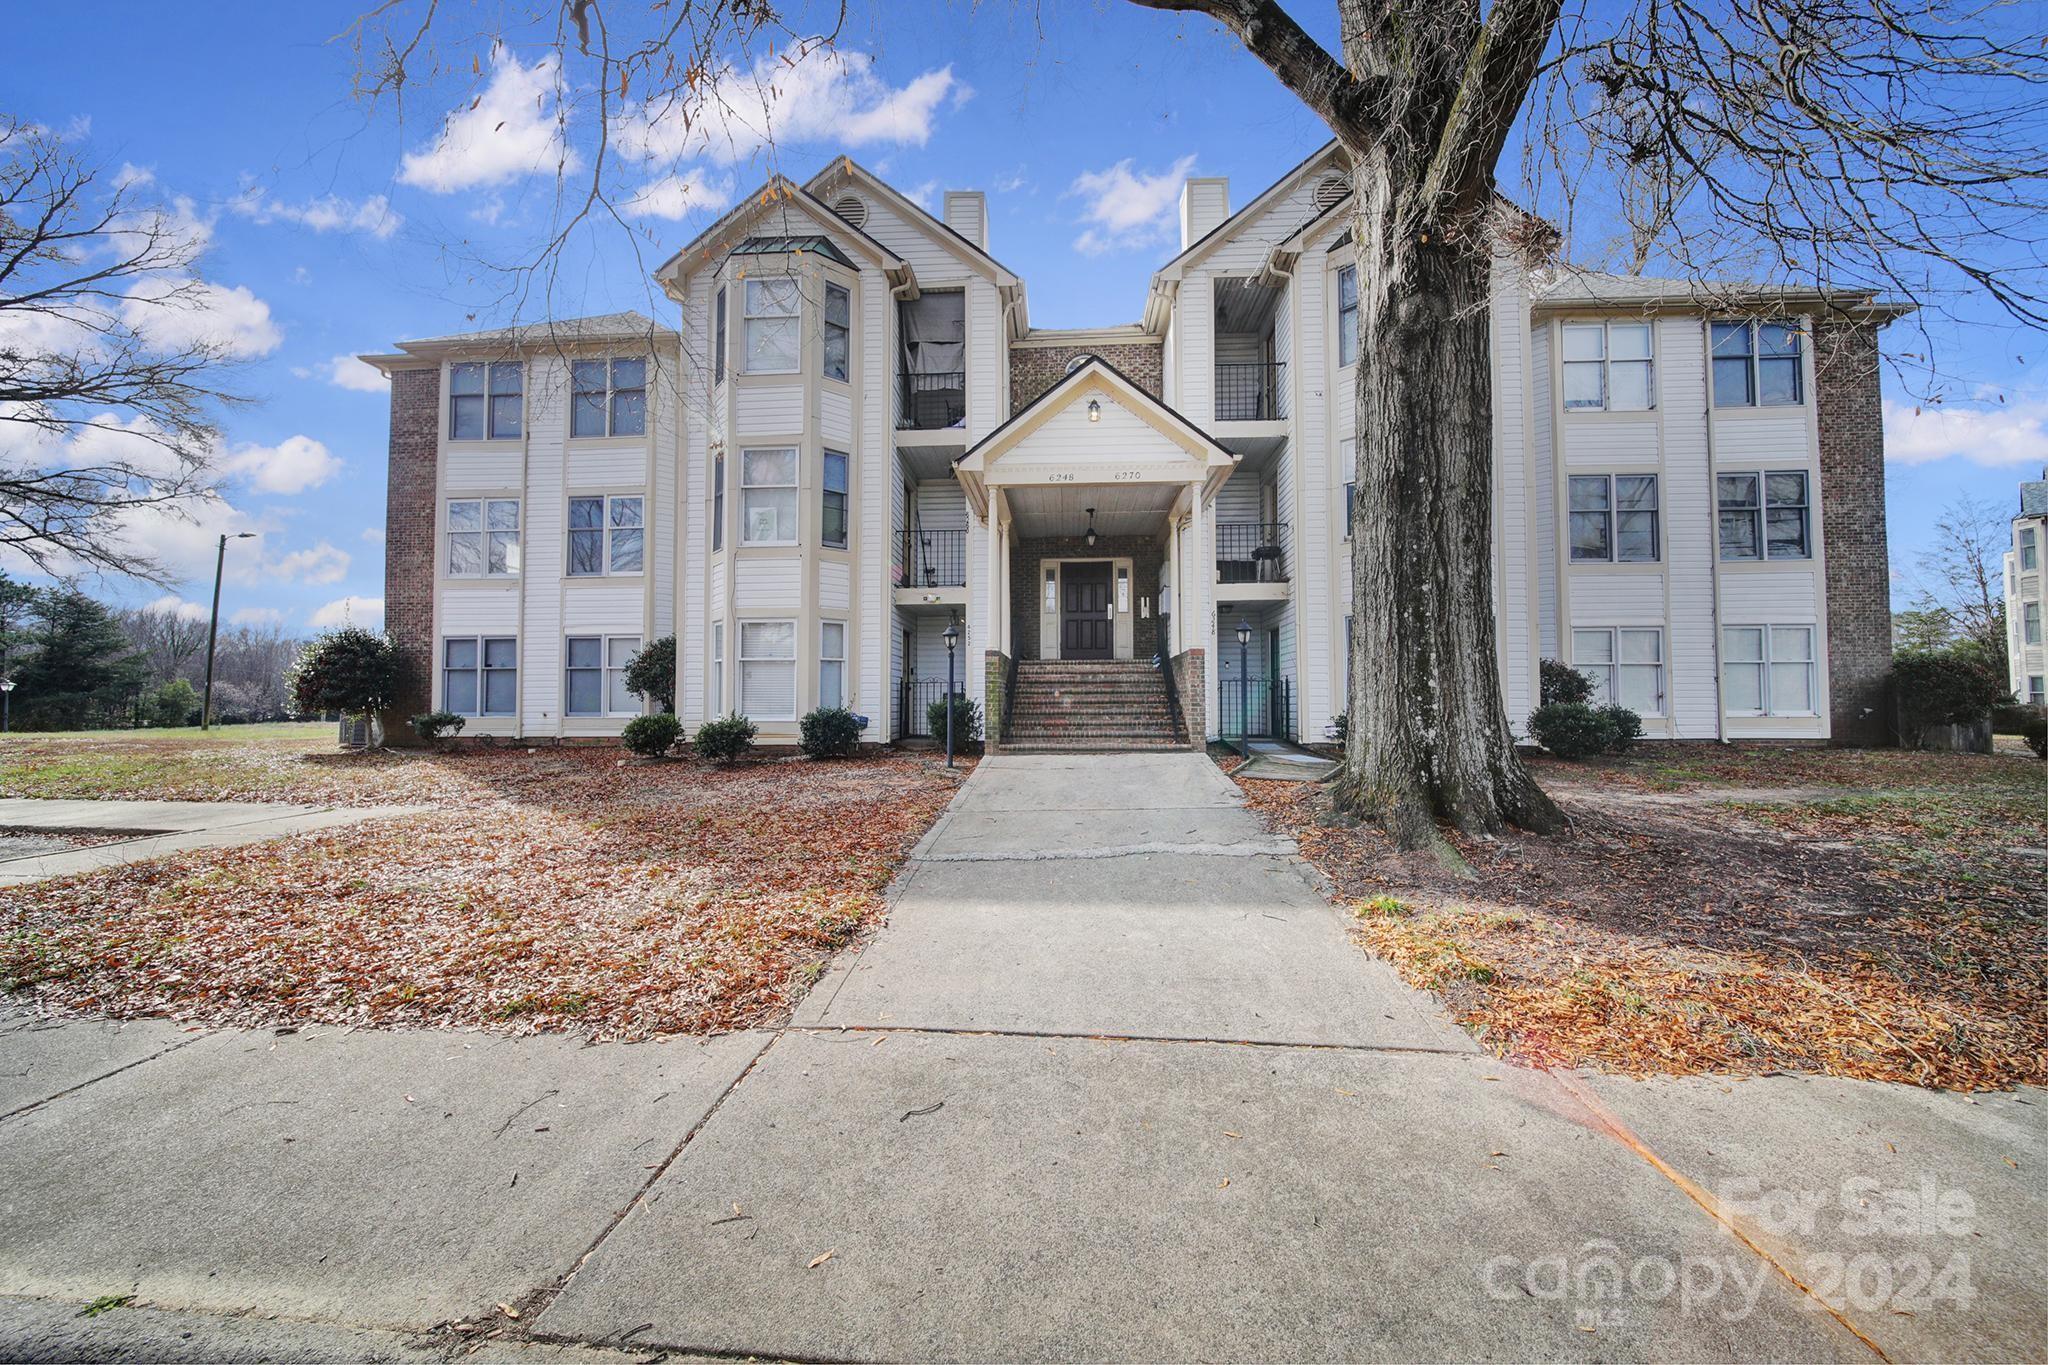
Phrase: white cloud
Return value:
(346, 372)
(321, 564)
(330, 213)
(373, 535)
(1997, 437)
(256, 616)
(1127, 209)
(301, 275)
(673, 196)
(513, 129)
(367, 612)
(131, 174)
(226, 316)
(925, 196)
(293, 465)
(172, 604)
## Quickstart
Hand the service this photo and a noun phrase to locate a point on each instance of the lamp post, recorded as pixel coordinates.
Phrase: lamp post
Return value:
(220, 560)
(6, 705)
(952, 640)
(1244, 680)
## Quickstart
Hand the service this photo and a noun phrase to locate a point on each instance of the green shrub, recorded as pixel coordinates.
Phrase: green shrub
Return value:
(1571, 729)
(2034, 730)
(434, 724)
(1340, 731)
(966, 719)
(1562, 684)
(351, 670)
(2010, 717)
(175, 703)
(829, 732)
(652, 736)
(1954, 686)
(724, 740)
(651, 673)
(1626, 727)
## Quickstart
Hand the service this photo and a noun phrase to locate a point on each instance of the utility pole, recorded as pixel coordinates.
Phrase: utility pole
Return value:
(220, 560)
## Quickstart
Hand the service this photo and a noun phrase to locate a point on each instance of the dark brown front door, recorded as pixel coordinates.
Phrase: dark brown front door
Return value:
(1086, 630)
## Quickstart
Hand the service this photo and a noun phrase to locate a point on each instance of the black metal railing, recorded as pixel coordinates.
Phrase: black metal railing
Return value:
(1165, 664)
(1251, 552)
(1257, 708)
(931, 402)
(1009, 695)
(917, 698)
(1249, 393)
(932, 559)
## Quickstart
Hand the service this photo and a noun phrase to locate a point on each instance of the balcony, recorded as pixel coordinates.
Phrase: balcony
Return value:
(931, 402)
(931, 559)
(1249, 392)
(1251, 552)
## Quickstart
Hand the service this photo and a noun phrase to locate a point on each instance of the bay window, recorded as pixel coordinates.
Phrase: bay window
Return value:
(714, 700)
(718, 502)
(838, 332)
(768, 497)
(1347, 315)
(1607, 367)
(1626, 665)
(832, 663)
(483, 537)
(596, 669)
(480, 675)
(1764, 515)
(772, 325)
(1613, 517)
(718, 338)
(2029, 557)
(607, 535)
(2030, 623)
(1756, 364)
(832, 515)
(1767, 670)
(768, 670)
(609, 397)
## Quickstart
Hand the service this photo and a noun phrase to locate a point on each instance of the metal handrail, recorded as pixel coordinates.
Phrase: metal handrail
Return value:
(931, 402)
(1009, 695)
(1249, 392)
(1252, 551)
(1165, 666)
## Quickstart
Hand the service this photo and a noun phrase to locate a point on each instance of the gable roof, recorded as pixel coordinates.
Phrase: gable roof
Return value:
(2034, 496)
(778, 191)
(843, 169)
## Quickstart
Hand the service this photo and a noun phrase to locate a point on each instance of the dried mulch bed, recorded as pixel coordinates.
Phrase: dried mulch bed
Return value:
(562, 888)
(1867, 914)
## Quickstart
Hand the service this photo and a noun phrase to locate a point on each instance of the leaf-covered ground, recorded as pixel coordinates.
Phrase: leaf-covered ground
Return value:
(1858, 913)
(557, 888)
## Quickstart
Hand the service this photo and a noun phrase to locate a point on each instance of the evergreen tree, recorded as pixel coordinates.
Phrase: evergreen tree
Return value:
(83, 674)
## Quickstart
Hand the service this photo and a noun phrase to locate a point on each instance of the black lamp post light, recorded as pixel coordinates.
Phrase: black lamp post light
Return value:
(952, 638)
(1244, 680)
(6, 705)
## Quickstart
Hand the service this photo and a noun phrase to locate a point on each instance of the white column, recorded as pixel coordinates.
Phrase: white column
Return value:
(1201, 576)
(1171, 644)
(994, 596)
(1004, 625)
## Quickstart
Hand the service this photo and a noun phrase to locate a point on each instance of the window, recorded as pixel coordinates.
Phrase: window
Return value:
(1764, 515)
(1756, 364)
(832, 663)
(838, 332)
(833, 515)
(1052, 590)
(718, 338)
(715, 693)
(609, 398)
(2029, 559)
(483, 537)
(2030, 623)
(1625, 664)
(718, 502)
(606, 535)
(768, 669)
(1614, 517)
(480, 675)
(597, 675)
(768, 497)
(772, 326)
(1607, 367)
(2037, 690)
(1347, 315)
(1767, 670)
(475, 414)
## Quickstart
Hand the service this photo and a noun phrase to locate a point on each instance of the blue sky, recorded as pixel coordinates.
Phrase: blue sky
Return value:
(337, 229)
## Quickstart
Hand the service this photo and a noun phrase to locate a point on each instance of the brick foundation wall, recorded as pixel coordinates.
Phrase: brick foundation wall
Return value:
(996, 681)
(409, 543)
(1027, 588)
(1851, 421)
(1034, 369)
(1191, 679)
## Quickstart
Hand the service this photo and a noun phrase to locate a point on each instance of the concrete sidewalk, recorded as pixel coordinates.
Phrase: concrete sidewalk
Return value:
(1111, 1083)
(154, 828)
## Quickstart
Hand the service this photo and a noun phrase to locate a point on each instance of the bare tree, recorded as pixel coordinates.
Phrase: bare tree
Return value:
(1961, 575)
(167, 638)
(99, 419)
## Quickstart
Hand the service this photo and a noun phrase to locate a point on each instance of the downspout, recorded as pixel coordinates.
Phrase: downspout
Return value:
(1713, 526)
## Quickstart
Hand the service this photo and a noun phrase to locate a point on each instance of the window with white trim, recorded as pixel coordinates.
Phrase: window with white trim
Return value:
(480, 675)
(718, 502)
(768, 670)
(609, 397)
(832, 663)
(485, 402)
(483, 537)
(1764, 515)
(832, 494)
(596, 669)
(1347, 315)
(2037, 689)
(1613, 518)
(714, 700)
(2029, 557)
(838, 332)
(1756, 364)
(771, 325)
(1626, 664)
(768, 496)
(718, 338)
(1607, 367)
(1768, 670)
(607, 535)
(2030, 623)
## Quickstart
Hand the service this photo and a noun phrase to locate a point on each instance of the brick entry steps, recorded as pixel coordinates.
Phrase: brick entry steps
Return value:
(1067, 706)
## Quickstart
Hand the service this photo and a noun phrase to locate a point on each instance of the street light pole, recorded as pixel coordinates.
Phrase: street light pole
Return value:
(1244, 678)
(220, 560)
(952, 639)
(6, 705)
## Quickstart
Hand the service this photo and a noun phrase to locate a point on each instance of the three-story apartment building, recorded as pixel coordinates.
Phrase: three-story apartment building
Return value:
(854, 458)
(2026, 603)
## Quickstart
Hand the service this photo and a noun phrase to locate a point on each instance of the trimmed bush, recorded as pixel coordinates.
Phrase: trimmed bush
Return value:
(351, 670)
(829, 732)
(724, 740)
(2034, 730)
(435, 724)
(652, 736)
(966, 720)
(1563, 685)
(651, 673)
(1626, 727)
(1572, 729)
(174, 704)
(1953, 686)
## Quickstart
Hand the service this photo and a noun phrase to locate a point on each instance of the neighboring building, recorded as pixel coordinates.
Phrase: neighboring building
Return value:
(2025, 602)
(859, 441)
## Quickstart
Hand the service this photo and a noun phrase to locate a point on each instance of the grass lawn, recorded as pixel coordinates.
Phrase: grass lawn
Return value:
(1871, 914)
(553, 888)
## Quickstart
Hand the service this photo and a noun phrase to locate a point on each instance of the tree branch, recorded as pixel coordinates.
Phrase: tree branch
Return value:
(1318, 79)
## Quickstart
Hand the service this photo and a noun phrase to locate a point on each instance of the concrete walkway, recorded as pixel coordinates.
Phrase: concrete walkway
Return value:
(150, 829)
(1111, 1083)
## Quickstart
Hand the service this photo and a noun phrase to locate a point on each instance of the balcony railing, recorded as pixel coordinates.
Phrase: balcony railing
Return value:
(1251, 552)
(914, 701)
(1249, 393)
(931, 402)
(1256, 708)
(932, 559)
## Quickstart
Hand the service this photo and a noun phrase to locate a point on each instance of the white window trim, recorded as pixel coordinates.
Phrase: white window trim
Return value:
(794, 486)
(2030, 623)
(845, 496)
(483, 533)
(606, 528)
(1756, 358)
(1613, 514)
(1812, 662)
(747, 316)
(740, 675)
(825, 327)
(2037, 689)
(1606, 362)
(491, 434)
(1356, 310)
(482, 676)
(715, 688)
(604, 670)
(611, 390)
(1760, 512)
(824, 629)
(721, 321)
(2029, 559)
(1615, 664)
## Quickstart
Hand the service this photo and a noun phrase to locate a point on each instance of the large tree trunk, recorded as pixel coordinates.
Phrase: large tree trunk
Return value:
(1429, 737)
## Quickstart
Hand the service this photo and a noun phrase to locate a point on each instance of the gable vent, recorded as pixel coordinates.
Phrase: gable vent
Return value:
(1329, 190)
(853, 209)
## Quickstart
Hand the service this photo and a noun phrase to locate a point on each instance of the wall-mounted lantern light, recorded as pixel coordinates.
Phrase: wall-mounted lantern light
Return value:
(1094, 410)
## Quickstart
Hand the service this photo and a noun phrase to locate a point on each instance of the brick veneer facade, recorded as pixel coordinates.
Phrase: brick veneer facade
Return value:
(1191, 680)
(1034, 369)
(409, 542)
(1851, 420)
(1146, 554)
(995, 682)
